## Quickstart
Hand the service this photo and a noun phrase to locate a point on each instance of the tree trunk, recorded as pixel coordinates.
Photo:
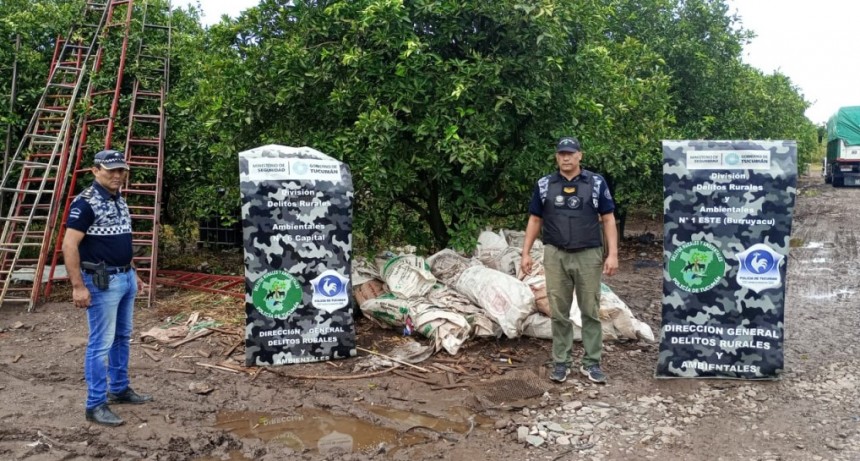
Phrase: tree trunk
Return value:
(434, 217)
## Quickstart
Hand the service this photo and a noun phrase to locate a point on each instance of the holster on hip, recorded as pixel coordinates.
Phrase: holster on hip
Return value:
(101, 278)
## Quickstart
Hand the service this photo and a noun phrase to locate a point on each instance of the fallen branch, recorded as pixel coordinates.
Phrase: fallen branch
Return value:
(394, 359)
(239, 368)
(445, 436)
(420, 379)
(197, 336)
(180, 370)
(230, 352)
(333, 378)
(217, 367)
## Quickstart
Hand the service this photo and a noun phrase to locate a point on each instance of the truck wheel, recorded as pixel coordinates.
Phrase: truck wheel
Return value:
(827, 178)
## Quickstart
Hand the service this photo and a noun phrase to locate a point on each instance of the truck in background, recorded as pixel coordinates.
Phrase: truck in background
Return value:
(842, 163)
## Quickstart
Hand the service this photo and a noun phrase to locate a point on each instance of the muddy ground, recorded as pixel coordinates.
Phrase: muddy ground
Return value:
(476, 405)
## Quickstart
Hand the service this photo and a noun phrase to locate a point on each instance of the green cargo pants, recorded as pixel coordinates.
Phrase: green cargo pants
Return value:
(564, 272)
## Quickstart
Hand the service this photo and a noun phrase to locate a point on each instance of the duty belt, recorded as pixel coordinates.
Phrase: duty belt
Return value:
(574, 250)
(90, 268)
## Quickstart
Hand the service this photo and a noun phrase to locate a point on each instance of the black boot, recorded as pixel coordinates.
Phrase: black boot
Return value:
(128, 396)
(101, 414)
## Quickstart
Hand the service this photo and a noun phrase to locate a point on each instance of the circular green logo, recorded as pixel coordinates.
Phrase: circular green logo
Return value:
(697, 266)
(277, 294)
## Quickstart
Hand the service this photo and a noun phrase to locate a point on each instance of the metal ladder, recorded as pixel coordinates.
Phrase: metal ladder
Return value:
(99, 118)
(144, 144)
(38, 168)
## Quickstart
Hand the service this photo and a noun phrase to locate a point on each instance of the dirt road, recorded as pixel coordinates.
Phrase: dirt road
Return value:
(492, 401)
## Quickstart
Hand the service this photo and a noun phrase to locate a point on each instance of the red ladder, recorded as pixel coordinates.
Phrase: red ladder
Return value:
(38, 168)
(144, 145)
(98, 120)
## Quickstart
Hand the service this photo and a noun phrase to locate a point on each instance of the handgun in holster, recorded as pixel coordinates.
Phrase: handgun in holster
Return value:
(101, 278)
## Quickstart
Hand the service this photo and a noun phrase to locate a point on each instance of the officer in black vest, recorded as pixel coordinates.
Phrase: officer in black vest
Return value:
(569, 206)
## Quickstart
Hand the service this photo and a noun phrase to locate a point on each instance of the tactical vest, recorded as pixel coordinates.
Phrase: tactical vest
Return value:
(570, 215)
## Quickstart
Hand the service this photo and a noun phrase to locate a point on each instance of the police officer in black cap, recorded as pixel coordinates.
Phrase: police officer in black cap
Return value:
(97, 250)
(569, 206)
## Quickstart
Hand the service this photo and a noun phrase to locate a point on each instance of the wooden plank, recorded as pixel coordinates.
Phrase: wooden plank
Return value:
(446, 368)
(151, 356)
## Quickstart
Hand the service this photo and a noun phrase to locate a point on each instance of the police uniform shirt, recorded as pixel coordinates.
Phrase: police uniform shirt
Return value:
(106, 221)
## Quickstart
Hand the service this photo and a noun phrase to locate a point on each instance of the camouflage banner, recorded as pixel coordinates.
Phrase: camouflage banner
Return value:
(727, 222)
(297, 221)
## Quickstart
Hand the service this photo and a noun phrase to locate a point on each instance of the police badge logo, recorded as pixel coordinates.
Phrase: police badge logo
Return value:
(559, 200)
(759, 268)
(330, 291)
(574, 202)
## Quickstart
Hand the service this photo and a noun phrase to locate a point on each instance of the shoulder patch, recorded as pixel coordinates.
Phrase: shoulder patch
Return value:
(595, 189)
(543, 187)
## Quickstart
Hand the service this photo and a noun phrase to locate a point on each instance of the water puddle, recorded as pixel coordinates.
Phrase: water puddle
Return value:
(842, 295)
(801, 244)
(411, 419)
(324, 432)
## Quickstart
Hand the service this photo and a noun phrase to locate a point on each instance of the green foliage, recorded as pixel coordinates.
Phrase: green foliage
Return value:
(714, 94)
(446, 111)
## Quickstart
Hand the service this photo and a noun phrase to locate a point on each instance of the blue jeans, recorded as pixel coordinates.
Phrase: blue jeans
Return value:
(110, 320)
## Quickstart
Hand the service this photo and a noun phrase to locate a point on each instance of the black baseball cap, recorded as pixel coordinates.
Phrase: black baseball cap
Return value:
(110, 159)
(567, 144)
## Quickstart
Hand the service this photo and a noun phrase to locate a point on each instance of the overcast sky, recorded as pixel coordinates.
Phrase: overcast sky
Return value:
(814, 42)
(808, 40)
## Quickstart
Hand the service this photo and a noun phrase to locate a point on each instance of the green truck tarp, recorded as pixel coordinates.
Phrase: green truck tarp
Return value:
(845, 125)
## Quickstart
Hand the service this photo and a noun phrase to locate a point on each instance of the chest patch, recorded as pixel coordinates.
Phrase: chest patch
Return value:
(570, 190)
